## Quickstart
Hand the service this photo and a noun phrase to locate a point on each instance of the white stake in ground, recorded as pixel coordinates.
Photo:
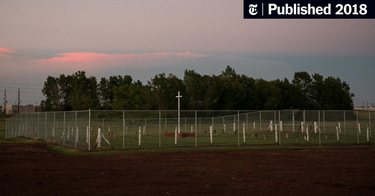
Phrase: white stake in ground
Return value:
(144, 130)
(276, 138)
(139, 136)
(337, 134)
(244, 133)
(315, 128)
(75, 146)
(281, 126)
(98, 142)
(225, 128)
(67, 135)
(270, 127)
(302, 127)
(211, 134)
(63, 137)
(359, 128)
(87, 134)
(99, 138)
(175, 136)
(368, 134)
(307, 133)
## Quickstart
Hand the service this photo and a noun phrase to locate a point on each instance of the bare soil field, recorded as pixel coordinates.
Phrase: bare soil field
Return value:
(32, 169)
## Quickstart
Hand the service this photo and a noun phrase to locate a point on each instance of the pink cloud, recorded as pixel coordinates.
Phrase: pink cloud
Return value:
(4, 52)
(87, 57)
(90, 61)
(189, 54)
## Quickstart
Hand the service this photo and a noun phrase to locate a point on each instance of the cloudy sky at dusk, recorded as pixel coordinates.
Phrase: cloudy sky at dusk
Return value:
(144, 38)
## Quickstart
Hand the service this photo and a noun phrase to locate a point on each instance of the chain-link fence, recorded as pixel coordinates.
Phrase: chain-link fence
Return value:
(162, 129)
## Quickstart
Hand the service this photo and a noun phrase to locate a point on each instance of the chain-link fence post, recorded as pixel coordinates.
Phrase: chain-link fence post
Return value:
(196, 133)
(123, 129)
(369, 120)
(159, 129)
(89, 132)
(324, 122)
(280, 129)
(238, 127)
(357, 128)
(320, 142)
(260, 121)
(345, 122)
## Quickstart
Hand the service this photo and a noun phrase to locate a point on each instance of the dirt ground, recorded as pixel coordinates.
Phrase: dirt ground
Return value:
(32, 169)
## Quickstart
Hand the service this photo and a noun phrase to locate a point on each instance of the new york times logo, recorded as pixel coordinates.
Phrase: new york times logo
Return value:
(253, 9)
(307, 9)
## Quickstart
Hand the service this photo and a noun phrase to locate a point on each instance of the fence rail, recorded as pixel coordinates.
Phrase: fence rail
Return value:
(87, 130)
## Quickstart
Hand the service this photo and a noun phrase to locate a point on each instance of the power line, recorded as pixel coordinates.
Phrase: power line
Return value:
(36, 88)
(24, 84)
(12, 78)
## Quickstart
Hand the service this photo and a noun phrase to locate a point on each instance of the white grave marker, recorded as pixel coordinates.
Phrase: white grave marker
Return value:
(307, 133)
(276, 139)
(87, 134)
(315, 128)
(211, 134)
(175, 136)
(76, 137)
(271, 126)
(99, 138)
(359, 128)
(139, 135)
(144, 130)
(281, 126)
(244, 132)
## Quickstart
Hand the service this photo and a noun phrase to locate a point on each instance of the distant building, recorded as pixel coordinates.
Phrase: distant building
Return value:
(13, 109)
(365, 108)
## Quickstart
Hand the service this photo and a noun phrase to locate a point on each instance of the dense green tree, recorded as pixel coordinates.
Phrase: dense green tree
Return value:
(227, 91)
(129, 97)
(58, 93)
(51, 91)
(106, 88)
(84, 92)
(336, 94)
(194, 91)
(163, 91)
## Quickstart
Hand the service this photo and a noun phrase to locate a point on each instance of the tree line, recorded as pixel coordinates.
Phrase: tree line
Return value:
(227, 91)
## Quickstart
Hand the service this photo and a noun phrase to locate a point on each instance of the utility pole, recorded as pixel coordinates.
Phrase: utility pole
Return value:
(5, 101)
(19, 101)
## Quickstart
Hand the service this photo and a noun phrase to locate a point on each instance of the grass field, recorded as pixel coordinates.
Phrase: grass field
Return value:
(51, 128)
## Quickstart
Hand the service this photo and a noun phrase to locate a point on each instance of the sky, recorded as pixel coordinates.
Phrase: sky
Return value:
(143, 38)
